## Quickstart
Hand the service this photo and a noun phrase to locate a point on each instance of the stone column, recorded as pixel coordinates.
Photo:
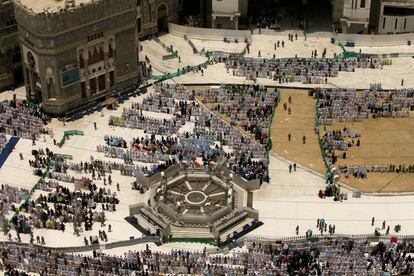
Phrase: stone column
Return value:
(86, 70)
(106, 62)
(32, 85)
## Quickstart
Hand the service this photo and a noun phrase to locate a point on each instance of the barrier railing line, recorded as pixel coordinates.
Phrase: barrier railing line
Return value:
(74, 249)
(319, 138)
(181, 72)
(269, 135)
(166, 48)
(68, 133)
(249, 237)
(208, 33)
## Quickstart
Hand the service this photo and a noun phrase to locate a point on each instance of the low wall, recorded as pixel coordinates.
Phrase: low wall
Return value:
(168, 57)
(377, 40)
(208, 34)
(76, 249)
(252, 237)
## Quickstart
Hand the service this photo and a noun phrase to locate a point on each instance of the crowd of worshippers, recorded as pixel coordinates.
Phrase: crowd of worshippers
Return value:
(161, 101)
(76, 207)
(334, 191)
(115, 141)
(157, 103)
(42, 159)
(326, 256)
(133, 118)
(348, 105)
(361, 171)
(142, 150)
(297, 69)
(247, 158)
(250, 107)
(3, 141)
(9, 196)
(98, 168)
(338, 141)
(19, 118)
(68, 206)
(151, 150)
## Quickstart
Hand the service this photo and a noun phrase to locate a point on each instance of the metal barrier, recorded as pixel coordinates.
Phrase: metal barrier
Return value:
(74, 249)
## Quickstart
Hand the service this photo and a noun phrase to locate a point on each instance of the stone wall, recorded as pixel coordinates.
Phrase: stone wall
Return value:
(65, 20)
(208, 34)
(150, 14)
(9, 46)
(377, 40)
(56, 41)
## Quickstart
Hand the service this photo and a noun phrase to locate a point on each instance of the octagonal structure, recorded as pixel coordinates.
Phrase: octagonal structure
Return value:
(196, 203)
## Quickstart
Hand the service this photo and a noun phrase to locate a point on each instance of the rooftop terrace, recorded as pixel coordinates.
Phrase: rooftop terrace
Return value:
(39, 6)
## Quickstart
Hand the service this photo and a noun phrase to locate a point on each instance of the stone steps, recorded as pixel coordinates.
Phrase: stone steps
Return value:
(145, 224)
(185, 232)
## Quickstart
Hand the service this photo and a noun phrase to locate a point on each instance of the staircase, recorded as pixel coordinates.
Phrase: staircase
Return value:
(187, 232)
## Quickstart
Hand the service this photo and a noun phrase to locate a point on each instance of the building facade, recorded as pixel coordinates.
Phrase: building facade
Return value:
(392, 16)
(10, 61)
(352, 15)
(226, 13)
(154, 16)
(75, 53)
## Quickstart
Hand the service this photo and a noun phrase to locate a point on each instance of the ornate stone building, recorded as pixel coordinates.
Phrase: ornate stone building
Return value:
(10, 62)
(156, 14)
(78, 52)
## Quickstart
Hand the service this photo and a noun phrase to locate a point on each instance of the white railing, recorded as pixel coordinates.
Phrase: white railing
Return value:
(377, 40)
(208, 34)
(250, 237)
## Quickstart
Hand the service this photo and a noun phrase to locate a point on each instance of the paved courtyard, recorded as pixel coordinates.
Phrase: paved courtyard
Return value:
(289, 199)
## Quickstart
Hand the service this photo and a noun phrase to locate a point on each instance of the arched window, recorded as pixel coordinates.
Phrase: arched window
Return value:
(110, 49)
(100, 54)
(50, 88)
(30, 60)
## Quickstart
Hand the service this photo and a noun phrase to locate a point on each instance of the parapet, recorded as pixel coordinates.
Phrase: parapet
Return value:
(48, 17)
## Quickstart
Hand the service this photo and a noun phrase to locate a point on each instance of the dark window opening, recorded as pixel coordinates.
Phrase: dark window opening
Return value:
(111, 78)
(92, 84)
(83, 89)
(101, 83)
(396, 11)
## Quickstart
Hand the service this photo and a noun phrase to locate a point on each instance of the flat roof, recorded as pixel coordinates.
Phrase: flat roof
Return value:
(39, 6)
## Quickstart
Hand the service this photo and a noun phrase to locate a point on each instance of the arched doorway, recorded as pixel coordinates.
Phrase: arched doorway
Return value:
(50, 88)
(33, 79)
(162, 16)
(17, 67)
